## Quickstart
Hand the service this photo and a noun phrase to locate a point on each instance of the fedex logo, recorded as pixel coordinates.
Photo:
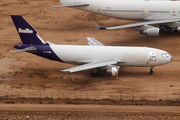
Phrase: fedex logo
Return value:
(25, 30)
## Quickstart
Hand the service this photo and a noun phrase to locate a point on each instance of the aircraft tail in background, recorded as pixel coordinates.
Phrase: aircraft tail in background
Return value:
(26, 32)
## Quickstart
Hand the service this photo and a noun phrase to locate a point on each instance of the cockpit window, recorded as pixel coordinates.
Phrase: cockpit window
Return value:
(165, 55)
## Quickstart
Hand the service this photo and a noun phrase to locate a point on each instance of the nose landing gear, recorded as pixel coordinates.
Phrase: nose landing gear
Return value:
(151, 70)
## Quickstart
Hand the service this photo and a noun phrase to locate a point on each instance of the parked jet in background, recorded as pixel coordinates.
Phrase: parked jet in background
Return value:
(165, 14)
(95, 56)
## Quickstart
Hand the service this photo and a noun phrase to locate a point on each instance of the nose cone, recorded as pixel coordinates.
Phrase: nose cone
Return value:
(170, 58)
(165, 58)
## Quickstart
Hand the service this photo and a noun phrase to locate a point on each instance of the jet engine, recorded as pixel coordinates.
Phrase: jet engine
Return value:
(113, 70)
(178, 29)
(150, 31)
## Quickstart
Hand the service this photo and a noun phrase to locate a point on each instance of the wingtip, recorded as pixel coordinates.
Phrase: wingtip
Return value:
(55, 6)
(100, 27)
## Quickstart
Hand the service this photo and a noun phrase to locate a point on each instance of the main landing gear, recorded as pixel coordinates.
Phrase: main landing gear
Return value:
(95, 73)
(151, 70)
(166, 28)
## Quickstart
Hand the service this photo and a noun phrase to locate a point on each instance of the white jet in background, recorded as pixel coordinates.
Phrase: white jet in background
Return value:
(95, 56)
(159, 14)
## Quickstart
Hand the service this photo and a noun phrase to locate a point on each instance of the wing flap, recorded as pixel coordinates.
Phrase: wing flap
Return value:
(90, 66)
(72, 5)
(138, 24)
(94, 42)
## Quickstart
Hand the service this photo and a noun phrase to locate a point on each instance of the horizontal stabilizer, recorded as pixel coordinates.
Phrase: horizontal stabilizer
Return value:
(100, 28)
(94, 42)
(72, 5)
(90, 66)
(25, 49)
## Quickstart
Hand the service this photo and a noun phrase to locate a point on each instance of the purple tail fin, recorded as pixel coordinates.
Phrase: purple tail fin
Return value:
(26, 32)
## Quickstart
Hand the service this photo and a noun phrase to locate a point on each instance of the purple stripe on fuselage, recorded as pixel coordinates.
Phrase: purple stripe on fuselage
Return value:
(46, 52)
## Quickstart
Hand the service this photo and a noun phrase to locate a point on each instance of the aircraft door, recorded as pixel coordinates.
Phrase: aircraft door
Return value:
(152, 56)
(174, 12)
(143, 11)
(147, 59)
(99, 9)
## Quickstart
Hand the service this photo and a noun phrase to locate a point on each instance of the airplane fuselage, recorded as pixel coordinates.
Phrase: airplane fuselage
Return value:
(93, 56)
(131, 10)
(126, 56)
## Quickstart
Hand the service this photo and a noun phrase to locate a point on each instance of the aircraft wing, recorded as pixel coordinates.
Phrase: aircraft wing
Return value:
(72, 5)
(90, 66)
(139, 24)
(94, 42)
(25, 49)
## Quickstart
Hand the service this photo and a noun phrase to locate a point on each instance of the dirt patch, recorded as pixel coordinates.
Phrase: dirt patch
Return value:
(69, 26)
(89, 16)
(100, 112)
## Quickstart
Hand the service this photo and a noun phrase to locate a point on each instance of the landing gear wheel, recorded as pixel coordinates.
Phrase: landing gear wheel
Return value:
(151, 71)
(166, 30)
(97, 74)
(160, 27)
(171, 30)
(163, 27)
(92, 75)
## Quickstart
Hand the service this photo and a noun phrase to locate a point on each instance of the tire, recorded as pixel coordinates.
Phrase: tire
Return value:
(171, 30)
(150, 72)
(92, 75)
(166, 30)
(97, 74)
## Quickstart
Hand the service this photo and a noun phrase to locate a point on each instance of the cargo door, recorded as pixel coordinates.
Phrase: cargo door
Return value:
(143, 12)
(152, 56)
(99, 9)
(174, 12)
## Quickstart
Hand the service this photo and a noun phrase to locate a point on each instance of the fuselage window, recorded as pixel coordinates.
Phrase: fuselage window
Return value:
(160, 11)
(122, 10)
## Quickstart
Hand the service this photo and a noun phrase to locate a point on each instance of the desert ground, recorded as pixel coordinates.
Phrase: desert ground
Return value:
(25, 72)
(86, 112)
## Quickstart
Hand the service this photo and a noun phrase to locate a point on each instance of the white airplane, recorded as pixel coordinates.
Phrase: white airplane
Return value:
(94, 56)
(164, 14)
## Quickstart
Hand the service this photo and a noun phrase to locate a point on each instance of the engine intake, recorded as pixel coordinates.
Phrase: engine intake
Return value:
(178, 29)
(114, 71)
(150, 31)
